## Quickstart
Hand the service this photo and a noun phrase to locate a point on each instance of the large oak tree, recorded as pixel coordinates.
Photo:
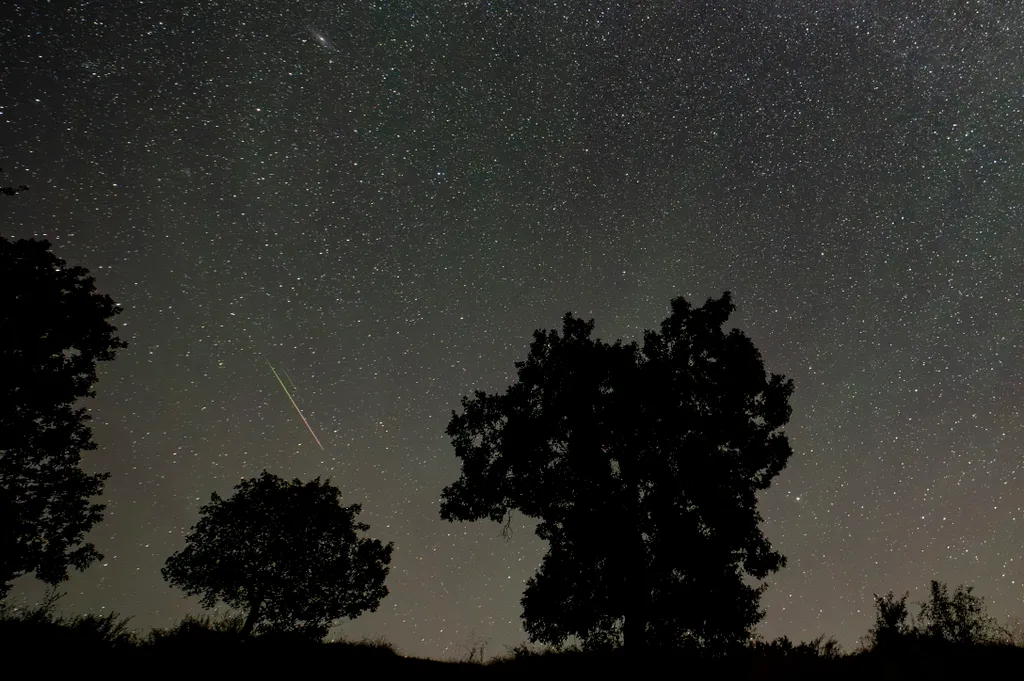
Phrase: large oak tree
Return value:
(643, 465)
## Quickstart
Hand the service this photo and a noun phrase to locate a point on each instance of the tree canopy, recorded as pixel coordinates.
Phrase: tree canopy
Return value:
(55, 329)
(891, 616)
(287, 553)
(643, 465)
(960, 618)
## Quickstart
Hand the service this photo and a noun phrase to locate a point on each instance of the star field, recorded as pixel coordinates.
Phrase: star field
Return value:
(385, 199)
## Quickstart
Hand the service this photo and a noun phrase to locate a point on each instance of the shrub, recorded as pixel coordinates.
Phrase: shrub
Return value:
(822, 647)
(960, 618)
(891, 617)
(195, 630)
(43, 625)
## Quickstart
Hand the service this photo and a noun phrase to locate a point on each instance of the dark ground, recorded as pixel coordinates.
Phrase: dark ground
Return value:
(916, 660)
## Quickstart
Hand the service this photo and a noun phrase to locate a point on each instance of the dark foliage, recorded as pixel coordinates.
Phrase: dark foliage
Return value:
(823, 647)
(891, 620)
(55, 329)
(643, 465)
(779, 660)
(287, 553)
(12, 190)
(27, 628)
(960, 618)
(194, 632)
(210, 644)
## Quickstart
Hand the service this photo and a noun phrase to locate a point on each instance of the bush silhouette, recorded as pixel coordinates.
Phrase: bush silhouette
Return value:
(822, 647)
(195, 631)
(960, 618)
(371, 647)
(42, 625)
(944, 621)
(891, 620)
(1012, 633)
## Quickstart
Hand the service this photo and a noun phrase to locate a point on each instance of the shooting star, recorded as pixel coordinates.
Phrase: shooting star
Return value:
(285, 388)
(290, 381)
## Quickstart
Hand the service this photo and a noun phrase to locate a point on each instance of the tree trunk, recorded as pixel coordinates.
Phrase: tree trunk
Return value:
(637, 609)
(634, 626)
(250, 621)
(634, 632)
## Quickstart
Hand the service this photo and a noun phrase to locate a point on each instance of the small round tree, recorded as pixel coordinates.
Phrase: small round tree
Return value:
(287, 553)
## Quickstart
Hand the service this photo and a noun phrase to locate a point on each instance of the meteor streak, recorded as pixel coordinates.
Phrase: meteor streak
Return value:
(290, 381)
(285, 388)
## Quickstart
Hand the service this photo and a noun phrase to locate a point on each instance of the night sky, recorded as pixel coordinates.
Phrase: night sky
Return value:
(385, 199)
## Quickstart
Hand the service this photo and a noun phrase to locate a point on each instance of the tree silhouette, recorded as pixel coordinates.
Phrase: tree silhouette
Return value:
(962, 618)
(643, 466)
(288, 553)
(1012, 633)
(890, 619)
(55, 330)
